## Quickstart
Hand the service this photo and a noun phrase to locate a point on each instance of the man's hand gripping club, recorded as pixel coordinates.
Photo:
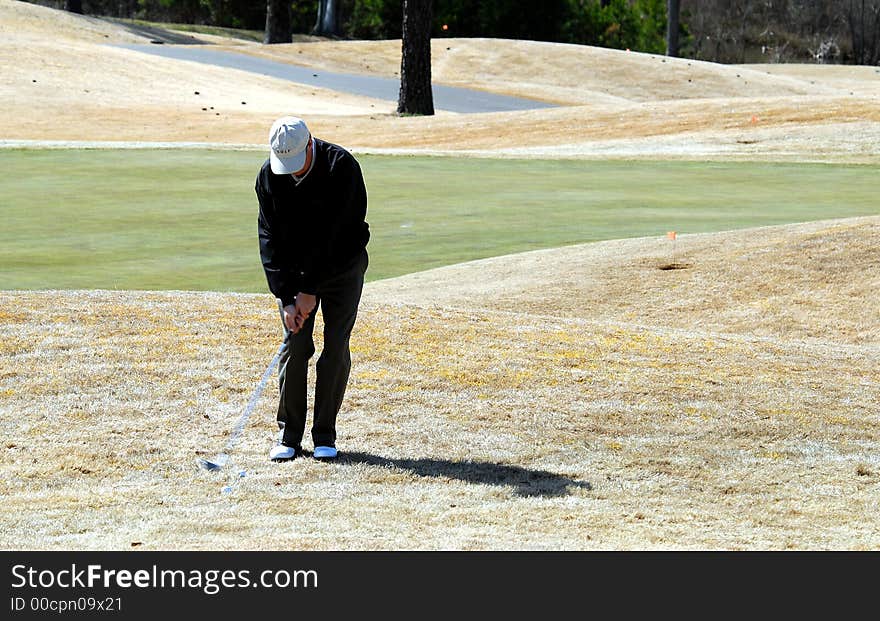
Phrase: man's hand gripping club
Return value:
(295, 315)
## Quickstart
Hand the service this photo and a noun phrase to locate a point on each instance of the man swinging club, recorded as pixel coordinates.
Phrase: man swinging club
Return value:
(313, 238)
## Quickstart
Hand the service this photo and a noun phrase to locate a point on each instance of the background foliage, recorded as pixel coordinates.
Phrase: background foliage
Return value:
(825, 31)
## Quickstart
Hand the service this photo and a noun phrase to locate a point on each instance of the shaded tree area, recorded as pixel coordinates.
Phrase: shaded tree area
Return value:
(638, 24)
(327, 20)
(246, 14)
(863, 20)
(515, 19)
(278, 28)
(819, 31)
(622, 24)
(829, 31)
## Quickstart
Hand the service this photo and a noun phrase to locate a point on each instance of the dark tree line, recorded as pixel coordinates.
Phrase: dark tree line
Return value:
(838, 31)
(863, 20)
(823, 31)
(638, 24)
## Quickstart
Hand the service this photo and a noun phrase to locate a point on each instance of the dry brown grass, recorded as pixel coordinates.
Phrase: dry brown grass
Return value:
(814, 281)
(724, 410)
(77, 87)
(615, 405)
(570, 74)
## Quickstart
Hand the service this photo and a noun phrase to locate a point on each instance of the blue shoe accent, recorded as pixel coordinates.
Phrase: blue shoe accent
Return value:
(326, 452)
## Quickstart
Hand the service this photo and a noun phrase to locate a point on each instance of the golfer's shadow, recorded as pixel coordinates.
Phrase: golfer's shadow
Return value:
(524, 481)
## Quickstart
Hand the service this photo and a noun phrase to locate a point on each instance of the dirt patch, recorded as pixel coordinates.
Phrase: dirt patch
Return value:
(675, 266)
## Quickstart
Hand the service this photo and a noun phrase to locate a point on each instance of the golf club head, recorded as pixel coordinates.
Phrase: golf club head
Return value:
(213, 465)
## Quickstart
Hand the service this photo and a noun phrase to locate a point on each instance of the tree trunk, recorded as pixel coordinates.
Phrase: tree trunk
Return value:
(74, 6)
(864, 27)
(874, 44)
(327, 24)
(416, 96)
(277, 22)
(672, 15)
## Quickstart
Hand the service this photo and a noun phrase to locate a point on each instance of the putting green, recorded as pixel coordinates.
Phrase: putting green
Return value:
(186, 219)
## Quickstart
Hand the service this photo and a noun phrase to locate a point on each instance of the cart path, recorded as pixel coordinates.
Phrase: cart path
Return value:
(447, 98)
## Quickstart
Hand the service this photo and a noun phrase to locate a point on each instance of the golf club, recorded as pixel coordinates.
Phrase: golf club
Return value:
(221, 459)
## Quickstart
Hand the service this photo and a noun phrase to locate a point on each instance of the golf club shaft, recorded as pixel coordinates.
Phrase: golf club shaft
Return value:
(252, 402)
(221, 458)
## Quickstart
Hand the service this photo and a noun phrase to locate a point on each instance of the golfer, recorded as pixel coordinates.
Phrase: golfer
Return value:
(313, 239)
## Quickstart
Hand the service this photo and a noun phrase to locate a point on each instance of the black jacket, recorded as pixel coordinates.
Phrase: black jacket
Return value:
(314, 230)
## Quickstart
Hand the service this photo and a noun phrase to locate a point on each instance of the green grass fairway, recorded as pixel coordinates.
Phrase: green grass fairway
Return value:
(168, 219)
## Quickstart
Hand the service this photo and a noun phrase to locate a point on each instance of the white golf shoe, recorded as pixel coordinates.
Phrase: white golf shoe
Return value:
(326, 452)
(280, 452)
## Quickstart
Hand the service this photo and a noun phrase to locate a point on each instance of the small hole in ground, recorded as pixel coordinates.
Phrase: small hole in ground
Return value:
(675, 266)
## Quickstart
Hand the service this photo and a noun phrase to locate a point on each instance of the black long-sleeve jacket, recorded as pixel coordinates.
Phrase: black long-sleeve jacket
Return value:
(313, 230)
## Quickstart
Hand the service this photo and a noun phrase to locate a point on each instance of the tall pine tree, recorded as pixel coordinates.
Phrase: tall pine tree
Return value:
(277, 22)
(416, 96)
(672, 17)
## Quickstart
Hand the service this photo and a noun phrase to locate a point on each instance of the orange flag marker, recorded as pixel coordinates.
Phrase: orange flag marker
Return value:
(671, 235)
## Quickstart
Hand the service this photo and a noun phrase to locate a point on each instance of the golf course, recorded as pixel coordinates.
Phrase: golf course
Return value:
(641, 316)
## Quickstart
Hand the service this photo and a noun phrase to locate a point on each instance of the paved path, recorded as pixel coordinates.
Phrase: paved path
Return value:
(445, 97)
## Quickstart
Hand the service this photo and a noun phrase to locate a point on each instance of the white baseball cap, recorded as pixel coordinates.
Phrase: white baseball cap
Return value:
(288, 140)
